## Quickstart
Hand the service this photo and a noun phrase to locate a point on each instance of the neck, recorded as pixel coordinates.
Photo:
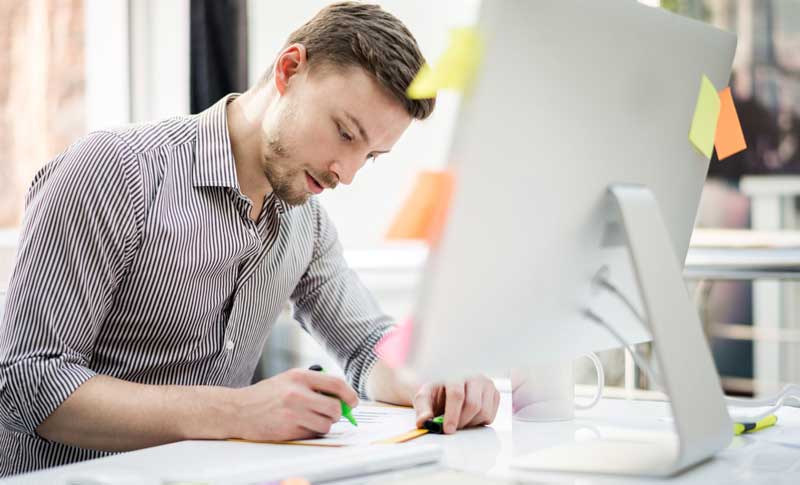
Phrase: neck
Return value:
(245, 115)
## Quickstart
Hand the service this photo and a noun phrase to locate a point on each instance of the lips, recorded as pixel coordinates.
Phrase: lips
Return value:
(313, 185)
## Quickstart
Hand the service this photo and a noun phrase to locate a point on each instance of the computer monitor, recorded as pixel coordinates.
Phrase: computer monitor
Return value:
(572, 159)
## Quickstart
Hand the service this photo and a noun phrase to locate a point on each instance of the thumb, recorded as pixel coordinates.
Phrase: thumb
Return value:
(423, 404)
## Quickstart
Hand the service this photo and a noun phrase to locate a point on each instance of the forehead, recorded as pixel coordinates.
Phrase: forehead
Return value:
(353, 90)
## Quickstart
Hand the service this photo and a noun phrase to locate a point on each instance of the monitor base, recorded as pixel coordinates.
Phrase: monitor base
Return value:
(687, 372)
(618, 455)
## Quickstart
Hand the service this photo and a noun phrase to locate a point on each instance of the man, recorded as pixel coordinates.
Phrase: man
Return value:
(154, 260)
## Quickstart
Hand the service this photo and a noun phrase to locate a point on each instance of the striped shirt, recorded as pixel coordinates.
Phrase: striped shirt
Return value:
(138, 260)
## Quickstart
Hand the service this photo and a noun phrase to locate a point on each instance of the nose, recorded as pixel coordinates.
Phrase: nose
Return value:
(346, 170)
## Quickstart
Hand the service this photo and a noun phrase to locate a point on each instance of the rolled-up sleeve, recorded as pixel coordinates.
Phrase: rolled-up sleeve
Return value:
(337, 309)
(80, 231)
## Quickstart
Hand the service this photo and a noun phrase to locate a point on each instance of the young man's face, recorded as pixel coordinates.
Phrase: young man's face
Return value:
(329, 122)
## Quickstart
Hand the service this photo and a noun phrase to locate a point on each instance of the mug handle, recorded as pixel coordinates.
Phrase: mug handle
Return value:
(601, 382)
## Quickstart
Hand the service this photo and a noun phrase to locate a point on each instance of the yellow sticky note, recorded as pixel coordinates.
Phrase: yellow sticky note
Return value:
(424, 85)
(455, 69)
(460, 62)
(424, 212)
(704, 122)
(729, 139)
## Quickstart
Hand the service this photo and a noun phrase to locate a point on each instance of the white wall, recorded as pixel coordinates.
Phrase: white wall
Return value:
(107, 69)
(362, 211)
(159, 58)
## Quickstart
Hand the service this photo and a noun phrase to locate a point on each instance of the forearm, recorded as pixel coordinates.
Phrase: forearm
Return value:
(386, 385)
(114, 415)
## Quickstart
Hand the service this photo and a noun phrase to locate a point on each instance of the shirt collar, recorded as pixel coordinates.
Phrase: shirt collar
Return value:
(214, 165)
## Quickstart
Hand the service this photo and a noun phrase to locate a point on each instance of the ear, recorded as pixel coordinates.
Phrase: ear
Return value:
(290, 61)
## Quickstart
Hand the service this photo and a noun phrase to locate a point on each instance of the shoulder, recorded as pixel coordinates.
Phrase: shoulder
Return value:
(92, 158)
(98, 168)
(163, 134)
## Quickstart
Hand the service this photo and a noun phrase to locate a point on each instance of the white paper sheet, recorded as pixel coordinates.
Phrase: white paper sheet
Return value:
(375, 423)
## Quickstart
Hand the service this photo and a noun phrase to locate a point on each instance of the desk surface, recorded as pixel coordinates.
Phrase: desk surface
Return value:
(754, 458)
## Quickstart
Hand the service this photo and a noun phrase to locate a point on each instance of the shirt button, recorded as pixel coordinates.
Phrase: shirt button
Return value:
(229, 345)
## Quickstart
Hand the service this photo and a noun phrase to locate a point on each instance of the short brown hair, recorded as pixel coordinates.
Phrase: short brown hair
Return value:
(358, 34)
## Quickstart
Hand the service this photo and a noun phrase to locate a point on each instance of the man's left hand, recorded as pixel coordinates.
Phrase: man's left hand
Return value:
(466, 403)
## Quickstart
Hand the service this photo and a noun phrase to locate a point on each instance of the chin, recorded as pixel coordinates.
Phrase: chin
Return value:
(294, 200)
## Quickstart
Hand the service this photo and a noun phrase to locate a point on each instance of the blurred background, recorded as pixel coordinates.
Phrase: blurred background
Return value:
(68, 67)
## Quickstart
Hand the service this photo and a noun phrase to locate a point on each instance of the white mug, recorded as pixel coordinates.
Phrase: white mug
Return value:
(546, 392)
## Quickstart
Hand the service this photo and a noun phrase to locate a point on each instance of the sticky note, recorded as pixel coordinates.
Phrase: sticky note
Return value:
(295, 481)
(424, 213)
(425, 84)
(455, 69)
(393, 347)
(704, 122)
(438, 217)
(729, 139)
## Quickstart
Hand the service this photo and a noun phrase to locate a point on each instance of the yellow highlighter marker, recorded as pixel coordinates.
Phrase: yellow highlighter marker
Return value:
(739, 428)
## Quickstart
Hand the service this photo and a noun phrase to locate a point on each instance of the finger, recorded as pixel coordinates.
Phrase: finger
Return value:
(423, 404)
(316, 423)
(496, 403)
(300, 433)
(321, 404)
(330, 407)
(473, 402)
(332, 385)
(486, 414)
(454, 399)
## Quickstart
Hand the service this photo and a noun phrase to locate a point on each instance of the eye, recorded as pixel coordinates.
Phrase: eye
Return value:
(372, 157)
(343, 134)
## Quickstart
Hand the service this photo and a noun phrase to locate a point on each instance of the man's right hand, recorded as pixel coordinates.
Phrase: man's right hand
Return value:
(291, 406)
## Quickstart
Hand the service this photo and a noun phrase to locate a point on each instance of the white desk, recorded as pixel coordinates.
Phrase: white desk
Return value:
(749, 459)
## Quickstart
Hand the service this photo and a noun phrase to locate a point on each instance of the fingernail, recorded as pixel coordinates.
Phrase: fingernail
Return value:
(449, 428)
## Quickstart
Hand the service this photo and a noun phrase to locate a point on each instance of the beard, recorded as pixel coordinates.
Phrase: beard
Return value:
(287, 178)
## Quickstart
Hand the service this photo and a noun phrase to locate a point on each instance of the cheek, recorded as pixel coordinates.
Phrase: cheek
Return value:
(321, 147)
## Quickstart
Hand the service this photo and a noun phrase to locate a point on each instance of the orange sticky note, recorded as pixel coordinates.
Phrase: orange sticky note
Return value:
(294, 481)
(424, 213)
(729, 139)
(393, 347)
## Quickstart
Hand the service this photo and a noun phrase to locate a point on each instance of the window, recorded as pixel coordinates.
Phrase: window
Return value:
(42, 91)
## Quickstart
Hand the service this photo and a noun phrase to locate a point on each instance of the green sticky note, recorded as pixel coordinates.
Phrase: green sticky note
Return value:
(706, 113)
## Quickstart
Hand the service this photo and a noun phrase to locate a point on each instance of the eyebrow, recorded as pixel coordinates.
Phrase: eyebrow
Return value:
(363, 132)
(361, 129)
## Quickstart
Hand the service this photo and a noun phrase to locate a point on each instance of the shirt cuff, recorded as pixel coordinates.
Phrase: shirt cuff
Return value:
(33, 390)
(368, 360)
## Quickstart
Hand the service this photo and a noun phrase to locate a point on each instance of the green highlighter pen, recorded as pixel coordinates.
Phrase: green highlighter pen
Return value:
(434, 425)
(739, 428)
(346, 411)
